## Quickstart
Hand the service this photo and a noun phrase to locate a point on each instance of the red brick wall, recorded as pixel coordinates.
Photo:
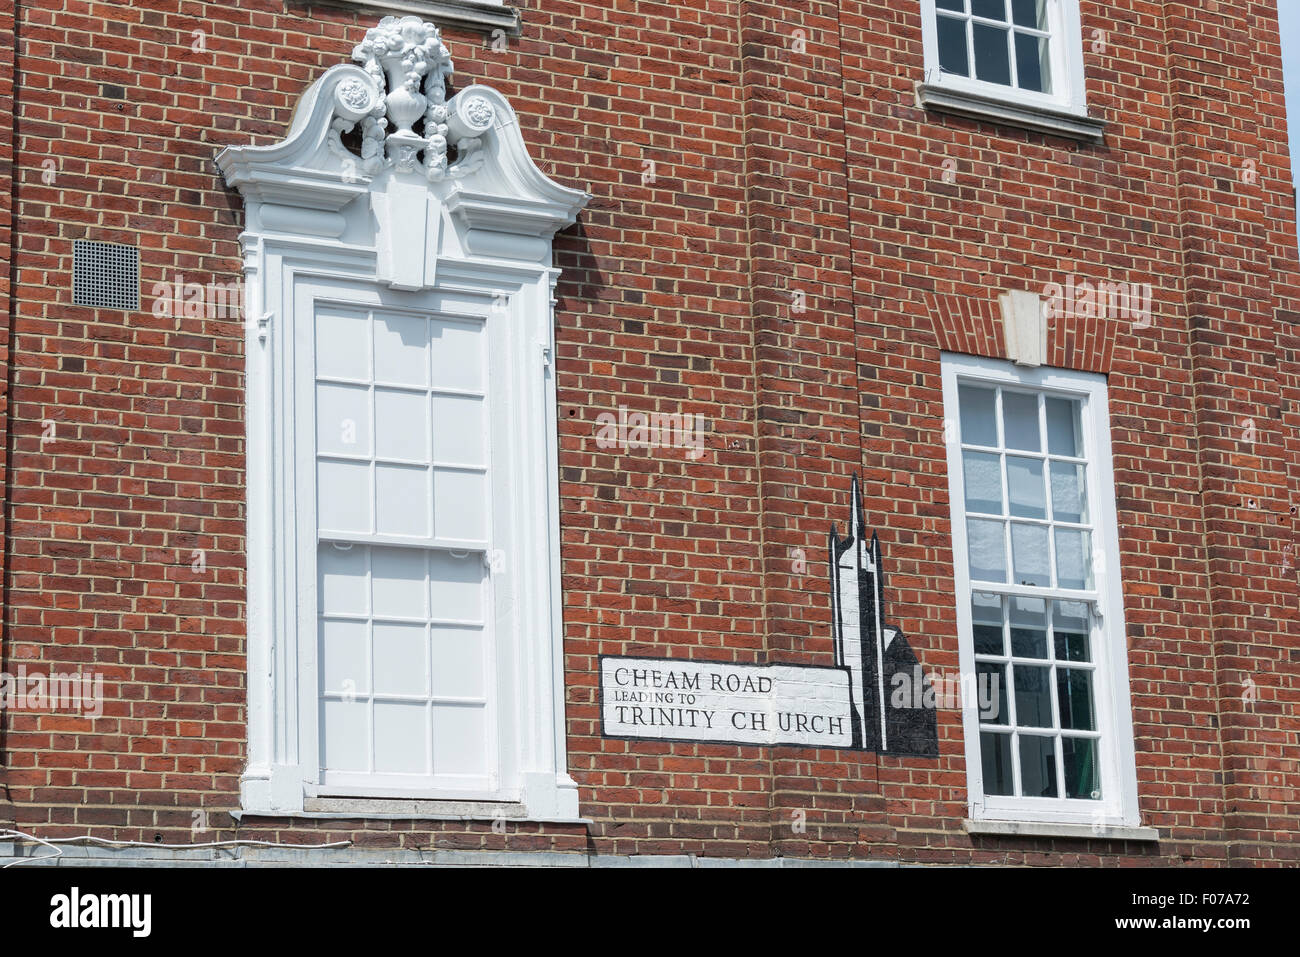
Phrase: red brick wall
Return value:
(1239, 271)
(792, 271)
(7, 50)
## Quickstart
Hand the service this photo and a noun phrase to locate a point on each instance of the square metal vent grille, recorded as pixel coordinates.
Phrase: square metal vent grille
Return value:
(105, 275)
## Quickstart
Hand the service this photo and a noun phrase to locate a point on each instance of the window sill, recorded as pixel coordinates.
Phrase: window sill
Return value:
(1088, 832)
(407, 815)
(468, 14)
(398, 809)
(1040, 119)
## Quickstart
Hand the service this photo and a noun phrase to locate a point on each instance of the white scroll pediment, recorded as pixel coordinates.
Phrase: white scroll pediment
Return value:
(425, 160)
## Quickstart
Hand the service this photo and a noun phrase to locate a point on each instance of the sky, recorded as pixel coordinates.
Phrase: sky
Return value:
(1288, 12)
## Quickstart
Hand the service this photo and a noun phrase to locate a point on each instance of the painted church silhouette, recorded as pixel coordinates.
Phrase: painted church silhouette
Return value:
(872, 651)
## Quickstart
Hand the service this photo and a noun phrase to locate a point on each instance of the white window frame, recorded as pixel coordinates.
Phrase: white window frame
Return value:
(323, 224)
(1065, 55)
(459, 300)
(1118, 805)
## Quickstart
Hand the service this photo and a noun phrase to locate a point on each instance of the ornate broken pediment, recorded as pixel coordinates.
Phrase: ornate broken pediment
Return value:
(385, 127)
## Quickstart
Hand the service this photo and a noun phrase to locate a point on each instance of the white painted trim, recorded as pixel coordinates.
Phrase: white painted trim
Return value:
(485, 15)
(319, 219)
(1119, 805)
(991, 109)
(1083, 832)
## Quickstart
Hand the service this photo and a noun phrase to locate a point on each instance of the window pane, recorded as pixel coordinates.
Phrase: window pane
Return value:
(343, 490)
(1028, 627)
(1082, 778)
(399, 583)
(1037, 766)
(402, 349)
(1029, 553)
(345, 734)
(978, 416)
(1020, 421)
(401, 425)
(401, 737)
(986, 613)
(1073, 559)
(342, 419)
(1029, 13)
(342, 346)
(1033, 696)
(459, 734)
(1064, 430)
(958, 5)
(457, 586)
(458, 661)
(991, 682)
(400, 654)
(458, 352)
(402, 500)
(1074, 695)
(995, 756)
(1033, 65)
(460, 505)
(1025, 487)
(459, 430)
(988, 550)
(992, 9)
(342, 588)
(344, 656)
(983, 473)
(991, 62)
(952, 46)
(1070, 629)
(1069, 496)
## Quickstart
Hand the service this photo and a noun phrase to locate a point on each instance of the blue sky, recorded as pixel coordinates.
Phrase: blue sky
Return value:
(1288, 12)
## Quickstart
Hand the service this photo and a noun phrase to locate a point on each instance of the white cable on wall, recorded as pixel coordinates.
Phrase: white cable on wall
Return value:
(51, 843)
